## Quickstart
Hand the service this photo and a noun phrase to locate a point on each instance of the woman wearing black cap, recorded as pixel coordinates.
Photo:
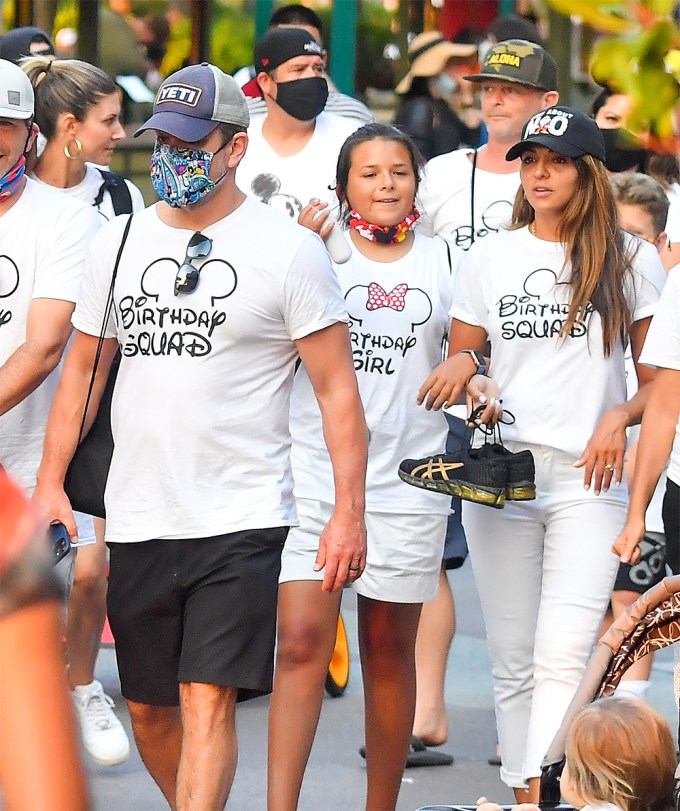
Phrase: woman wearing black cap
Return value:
(558, 295)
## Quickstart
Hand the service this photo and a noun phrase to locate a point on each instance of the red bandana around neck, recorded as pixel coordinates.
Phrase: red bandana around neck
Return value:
(384, 234)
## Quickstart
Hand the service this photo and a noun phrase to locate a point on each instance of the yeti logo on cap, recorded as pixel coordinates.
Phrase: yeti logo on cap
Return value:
(552, 122)
(179, 94)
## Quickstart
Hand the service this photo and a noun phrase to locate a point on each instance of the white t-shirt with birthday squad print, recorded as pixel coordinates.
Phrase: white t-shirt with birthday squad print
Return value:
(398, 319)
(87, 190)
(43, 242)
(445, 196)
(287, 184)
(200, 408)
(662, 348)
(514, 286)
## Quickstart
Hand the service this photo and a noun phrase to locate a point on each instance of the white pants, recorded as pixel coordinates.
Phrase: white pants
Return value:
(544, 571)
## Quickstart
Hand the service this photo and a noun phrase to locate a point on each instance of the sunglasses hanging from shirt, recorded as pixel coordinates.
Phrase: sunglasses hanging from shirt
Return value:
(188, 274)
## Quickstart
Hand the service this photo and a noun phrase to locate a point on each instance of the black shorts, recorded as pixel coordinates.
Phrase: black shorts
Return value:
(197, 610)
(648, 571)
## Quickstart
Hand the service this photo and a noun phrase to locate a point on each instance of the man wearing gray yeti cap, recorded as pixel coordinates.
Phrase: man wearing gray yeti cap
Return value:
(215, 297)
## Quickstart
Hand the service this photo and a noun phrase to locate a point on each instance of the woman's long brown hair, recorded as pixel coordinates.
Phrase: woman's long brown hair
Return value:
(601, 267)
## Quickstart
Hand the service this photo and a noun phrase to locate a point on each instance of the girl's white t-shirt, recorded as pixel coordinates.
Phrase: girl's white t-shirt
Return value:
(514, 286)
(662, 348)
(200, 408)
(398, 315)
(87, 190)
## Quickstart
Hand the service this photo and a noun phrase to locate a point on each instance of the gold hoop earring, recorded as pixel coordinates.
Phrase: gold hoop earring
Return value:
(67, 150)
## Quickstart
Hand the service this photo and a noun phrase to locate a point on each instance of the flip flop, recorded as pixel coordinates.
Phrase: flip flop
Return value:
(420, 755)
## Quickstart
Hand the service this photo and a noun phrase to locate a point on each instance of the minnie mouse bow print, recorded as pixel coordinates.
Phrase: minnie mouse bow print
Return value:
(377, 297)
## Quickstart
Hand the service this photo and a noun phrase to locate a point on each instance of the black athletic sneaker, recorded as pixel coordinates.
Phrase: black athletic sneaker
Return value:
(468, 474)
(521, 471)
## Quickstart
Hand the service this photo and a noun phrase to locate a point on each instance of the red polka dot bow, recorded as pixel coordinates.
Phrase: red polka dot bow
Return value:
(377, 297)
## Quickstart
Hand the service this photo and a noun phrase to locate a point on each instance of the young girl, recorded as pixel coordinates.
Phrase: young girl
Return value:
(620, 756)
(558, 295)
(397, 287)
(78, 111)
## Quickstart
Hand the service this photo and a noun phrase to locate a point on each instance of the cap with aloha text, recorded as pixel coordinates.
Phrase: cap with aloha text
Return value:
(192, 102)
(277, 46)
(520, 61)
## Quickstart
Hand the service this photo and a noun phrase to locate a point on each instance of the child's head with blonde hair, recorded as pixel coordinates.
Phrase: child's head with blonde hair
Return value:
(619, 751)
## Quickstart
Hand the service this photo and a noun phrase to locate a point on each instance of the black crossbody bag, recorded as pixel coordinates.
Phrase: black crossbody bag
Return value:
(85, 480)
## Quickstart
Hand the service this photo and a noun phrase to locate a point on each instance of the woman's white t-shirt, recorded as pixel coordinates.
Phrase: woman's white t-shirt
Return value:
(662, 348)
(398, 315)
(514, 286)
(200, 408)
(87, 190)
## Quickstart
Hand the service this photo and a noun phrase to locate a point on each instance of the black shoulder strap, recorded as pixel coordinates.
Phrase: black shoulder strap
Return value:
(472, 198)
(116, 186)
(107, 315)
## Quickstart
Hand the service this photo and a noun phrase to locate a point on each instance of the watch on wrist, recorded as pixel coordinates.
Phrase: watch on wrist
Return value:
(478, 358)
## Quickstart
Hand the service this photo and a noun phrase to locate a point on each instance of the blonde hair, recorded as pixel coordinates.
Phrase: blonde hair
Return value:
(621, 751)
(595, 248)
(64, 86)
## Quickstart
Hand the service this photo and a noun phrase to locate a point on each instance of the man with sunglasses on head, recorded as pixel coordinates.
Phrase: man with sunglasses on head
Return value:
(216, 296)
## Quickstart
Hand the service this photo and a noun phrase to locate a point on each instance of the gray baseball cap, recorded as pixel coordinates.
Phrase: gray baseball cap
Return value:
(16, 92)
(192, 102)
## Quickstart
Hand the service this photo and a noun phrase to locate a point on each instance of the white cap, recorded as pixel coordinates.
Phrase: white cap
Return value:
(16, 92)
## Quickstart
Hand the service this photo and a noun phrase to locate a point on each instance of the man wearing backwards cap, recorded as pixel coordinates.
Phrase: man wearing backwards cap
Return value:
(215, 296)
(43, 236)
(293, 149)
(466, 195)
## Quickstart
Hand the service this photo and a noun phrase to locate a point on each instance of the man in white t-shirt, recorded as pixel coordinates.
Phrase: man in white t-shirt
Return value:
(215, 298)
(466, 195)
(296, 15)
(44, 238)
(293, 149)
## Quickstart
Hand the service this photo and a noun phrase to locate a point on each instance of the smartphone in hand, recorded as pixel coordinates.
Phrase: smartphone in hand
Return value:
(60, 541)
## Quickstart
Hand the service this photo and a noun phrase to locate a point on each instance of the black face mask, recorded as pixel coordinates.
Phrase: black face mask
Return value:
(622, 150)
(304, 99)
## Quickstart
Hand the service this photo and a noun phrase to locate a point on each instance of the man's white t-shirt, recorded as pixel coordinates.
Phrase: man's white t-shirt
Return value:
(662, 348)
(513, 285)
(87, 190)
(287, 184)
(43, 242)
(398, 320)
(445, 194)
(200, 408)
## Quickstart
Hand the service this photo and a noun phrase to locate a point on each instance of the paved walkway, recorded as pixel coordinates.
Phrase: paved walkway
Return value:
(335, 778)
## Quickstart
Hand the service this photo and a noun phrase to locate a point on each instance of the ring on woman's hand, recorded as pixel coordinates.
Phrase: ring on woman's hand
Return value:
(354, 568)
(610, 467)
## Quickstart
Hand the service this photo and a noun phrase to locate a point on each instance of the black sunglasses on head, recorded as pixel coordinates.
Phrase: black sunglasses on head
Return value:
(188, 275)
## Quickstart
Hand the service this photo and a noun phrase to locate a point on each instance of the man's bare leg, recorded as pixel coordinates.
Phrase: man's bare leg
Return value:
(158, 734)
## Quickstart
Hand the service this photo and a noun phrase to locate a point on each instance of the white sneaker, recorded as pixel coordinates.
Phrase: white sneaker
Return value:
(103, 734)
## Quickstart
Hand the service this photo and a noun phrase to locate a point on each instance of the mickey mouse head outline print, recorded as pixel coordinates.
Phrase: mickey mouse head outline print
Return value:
(9, 283)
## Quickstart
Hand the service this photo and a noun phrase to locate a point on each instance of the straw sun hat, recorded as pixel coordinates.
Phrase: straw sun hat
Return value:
(428, 54)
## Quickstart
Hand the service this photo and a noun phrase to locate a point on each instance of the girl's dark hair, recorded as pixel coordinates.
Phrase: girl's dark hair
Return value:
(595, 247)
(372, 132)
(64, 86)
